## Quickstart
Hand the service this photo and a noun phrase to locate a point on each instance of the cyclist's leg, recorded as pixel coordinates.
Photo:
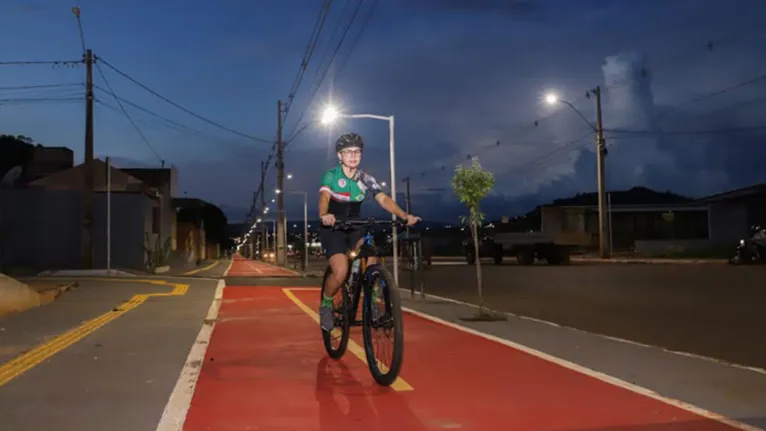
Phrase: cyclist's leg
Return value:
(357, 238)
(334, 245)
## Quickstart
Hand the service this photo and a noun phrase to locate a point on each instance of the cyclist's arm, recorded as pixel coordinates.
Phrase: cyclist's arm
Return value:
(324, 202)
(325, 194)
(389, 205)
(383, 200)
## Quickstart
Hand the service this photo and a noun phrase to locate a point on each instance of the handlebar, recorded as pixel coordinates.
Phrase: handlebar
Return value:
(345, 224)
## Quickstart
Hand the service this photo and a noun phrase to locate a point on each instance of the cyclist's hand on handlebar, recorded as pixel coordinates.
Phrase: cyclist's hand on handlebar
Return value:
(411, 219)
(328, 219)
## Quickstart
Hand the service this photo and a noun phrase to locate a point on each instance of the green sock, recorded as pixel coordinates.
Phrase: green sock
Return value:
(326, 301)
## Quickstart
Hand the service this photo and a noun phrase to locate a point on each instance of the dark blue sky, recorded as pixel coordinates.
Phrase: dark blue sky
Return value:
(460, 76)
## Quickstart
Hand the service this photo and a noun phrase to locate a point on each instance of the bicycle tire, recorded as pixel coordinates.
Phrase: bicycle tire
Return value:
(336, 353)
(390, 294)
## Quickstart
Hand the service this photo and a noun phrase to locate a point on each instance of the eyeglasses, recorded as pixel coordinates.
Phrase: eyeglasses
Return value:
(351, 152)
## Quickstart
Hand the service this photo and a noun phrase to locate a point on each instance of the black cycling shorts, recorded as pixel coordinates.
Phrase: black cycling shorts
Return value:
(338, 241)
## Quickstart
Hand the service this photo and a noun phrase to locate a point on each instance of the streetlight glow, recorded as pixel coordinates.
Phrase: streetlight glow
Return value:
(551, 99)
(277, 191)
(259, 220)
(289, 176)
(330, 115)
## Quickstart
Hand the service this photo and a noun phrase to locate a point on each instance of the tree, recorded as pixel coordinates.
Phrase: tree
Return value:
(471, 184)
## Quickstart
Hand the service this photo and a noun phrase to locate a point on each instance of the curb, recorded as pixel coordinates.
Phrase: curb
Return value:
(18, 296)
(49, 295)
(650, 261)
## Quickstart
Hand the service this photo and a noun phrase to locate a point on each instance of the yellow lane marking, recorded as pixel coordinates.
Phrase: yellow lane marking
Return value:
(24, 362)
(195, 271)
(399, 385)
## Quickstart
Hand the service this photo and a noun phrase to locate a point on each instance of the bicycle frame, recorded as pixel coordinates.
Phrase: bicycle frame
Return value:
(366, 250)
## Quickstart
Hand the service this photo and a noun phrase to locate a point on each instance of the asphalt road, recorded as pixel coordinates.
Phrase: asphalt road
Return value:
(108, 354)
(709, 309)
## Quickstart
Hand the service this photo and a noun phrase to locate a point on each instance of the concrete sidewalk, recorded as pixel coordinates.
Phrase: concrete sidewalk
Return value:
(77, 363)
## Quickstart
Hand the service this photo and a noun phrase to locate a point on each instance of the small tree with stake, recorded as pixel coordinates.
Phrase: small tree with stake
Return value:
(471, 184)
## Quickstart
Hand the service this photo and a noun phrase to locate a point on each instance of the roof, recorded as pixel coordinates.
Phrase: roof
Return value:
(692, 206)
(636, 196)
(742, 193)
(74, 179)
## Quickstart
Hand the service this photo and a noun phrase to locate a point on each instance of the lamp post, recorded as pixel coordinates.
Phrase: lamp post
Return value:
(553, 99)
(331, 115)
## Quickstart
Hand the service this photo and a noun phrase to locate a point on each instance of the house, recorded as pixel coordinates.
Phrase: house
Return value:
(733, 212)
(165, 183)
(43, 223)
(650, 222)
(636, 216)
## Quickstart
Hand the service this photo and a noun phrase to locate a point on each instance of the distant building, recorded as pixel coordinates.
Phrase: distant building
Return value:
(651, 222)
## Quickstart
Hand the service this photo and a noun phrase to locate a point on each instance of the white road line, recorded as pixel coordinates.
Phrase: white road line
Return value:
(174, 415)
(231, 263)
(250, 264)
(589, 372)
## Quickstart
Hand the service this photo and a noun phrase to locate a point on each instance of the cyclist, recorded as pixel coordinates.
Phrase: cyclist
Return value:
(341, 194)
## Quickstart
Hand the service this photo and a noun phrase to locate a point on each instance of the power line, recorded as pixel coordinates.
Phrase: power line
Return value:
(39, 99)
(172, 124)
(321, 18)
(38, 62)
(357, 39)
(687, 132)
(193, 114)
(709, 46)
(125, 112)
(354, 44)
(32, 87)
(318, 85)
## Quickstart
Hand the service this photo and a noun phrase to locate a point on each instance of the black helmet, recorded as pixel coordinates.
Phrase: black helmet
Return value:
(349, 140)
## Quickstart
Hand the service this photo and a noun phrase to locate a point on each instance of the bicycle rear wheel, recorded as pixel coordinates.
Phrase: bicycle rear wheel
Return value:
(336, 341)
(388, 324)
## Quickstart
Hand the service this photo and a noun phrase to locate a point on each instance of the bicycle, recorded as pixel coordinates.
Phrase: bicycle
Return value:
(362, 278)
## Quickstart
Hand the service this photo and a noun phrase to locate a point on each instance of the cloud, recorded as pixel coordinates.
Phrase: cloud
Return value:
(479, 83)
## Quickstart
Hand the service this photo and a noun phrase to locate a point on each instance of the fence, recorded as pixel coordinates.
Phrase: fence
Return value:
(412, 261)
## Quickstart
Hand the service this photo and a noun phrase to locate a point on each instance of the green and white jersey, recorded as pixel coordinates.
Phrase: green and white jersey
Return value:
(347, 194)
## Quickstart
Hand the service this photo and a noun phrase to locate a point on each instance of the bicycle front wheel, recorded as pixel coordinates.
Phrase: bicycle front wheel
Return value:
(336, 340)
(383, 326)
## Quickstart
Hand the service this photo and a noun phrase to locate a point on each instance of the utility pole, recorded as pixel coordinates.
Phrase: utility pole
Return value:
(281, 229)
(264, 231)
(88, 192)
(407, 203)
(600, 153)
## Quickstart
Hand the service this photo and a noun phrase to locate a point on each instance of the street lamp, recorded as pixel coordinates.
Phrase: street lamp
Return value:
(553, 99)
(598, 128)
(331, 115)
(305, 223)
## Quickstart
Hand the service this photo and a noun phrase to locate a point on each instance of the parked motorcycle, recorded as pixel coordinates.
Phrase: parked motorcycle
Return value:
(751, 249)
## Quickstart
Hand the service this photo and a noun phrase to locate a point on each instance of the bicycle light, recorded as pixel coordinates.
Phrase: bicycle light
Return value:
(352, 254)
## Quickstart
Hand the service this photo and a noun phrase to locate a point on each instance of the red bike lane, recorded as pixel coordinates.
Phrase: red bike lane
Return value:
(242, 267)
(266, 369)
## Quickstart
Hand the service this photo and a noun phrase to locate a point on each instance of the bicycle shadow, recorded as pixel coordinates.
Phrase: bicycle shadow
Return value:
(347, 404)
